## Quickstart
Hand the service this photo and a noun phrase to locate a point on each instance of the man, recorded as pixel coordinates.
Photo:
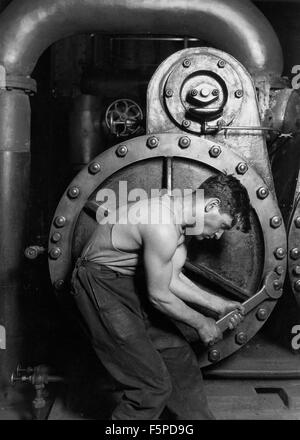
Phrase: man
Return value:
(130, 290)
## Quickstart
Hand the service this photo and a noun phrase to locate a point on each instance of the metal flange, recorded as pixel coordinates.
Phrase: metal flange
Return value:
(198, 151)
(293, 250)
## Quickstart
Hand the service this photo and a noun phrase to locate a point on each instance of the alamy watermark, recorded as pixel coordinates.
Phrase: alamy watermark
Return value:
(137, 207)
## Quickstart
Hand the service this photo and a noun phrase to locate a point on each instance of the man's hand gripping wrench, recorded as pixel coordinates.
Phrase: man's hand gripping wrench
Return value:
(268, 291)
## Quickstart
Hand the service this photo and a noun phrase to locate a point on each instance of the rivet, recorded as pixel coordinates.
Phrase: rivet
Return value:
(241, 168)
(221, 64)
(275, 221)
(279, 270)
(55, 253)
(59, 284)
(184, 142)
(186, 123)
(277, 285)
(56, 236)
(241, 338)
(261, 314)
(152, 142)
(194, 92)
(295, 253)
(169, 93)
(279, 253)
(94, 168)
(297, 222)
(60, 221)
(186, 63)
(239, 93)
(215, 92)
(262, 192)
(297, 286)
(296, 270)
(215, 151)
(214, 355)
(73, 192)
(122, 150)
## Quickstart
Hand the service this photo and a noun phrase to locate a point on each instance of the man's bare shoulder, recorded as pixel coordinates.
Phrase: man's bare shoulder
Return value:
(159, 238)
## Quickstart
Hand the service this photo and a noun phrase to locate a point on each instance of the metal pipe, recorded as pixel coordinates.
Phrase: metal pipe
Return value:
(235, 26)
(14, 191)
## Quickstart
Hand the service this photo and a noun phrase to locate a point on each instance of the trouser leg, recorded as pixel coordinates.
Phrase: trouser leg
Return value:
(120, 341)
(188, 399)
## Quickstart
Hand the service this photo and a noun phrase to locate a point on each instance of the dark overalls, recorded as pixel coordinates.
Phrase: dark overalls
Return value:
(139, 346)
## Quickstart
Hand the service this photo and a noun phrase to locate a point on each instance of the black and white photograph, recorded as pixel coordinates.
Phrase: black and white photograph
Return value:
(150, 213)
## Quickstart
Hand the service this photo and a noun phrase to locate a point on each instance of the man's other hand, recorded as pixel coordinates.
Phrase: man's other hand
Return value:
(230, 306)
(209, 332)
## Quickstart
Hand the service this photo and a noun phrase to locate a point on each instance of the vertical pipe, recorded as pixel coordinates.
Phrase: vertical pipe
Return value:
(14, 192)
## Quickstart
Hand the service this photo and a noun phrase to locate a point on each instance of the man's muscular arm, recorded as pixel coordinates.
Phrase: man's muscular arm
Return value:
(186, 290)
(159, 243)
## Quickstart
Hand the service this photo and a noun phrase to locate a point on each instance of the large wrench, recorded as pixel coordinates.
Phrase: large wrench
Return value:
(268, 291)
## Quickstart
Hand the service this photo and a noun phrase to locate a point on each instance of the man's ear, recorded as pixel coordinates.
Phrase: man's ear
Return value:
(212, 203)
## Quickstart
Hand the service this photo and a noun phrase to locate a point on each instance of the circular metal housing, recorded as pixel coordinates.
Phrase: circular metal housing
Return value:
(203, 91)
(200, 165)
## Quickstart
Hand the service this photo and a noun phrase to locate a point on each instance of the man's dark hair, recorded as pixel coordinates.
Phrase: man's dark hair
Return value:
(233, 196)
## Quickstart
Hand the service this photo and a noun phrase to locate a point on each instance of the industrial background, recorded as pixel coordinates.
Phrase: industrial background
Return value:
(96, 91)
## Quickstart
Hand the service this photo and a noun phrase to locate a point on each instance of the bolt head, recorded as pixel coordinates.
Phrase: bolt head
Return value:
(297, 222)
(242, 168)
(122, 150)
(215, 151)
(279, 270)
(241, 338)
(296, 270)
(214, 355)
(169, 93)
(204, 92)
(261, 314)
(73, 192)
(55, 253)
(221, 64)
(277, 285)
(280, 253)
(56, 236)
(295, 253)
(215, 92)
(186, 63)
(297, 286)
(239, 93)
(262, 192)
(59, 284)
(186, 123)
(152, 142)
(194, 92)
(60, 221)
(275, 221)
(94, 167)
(184, 142)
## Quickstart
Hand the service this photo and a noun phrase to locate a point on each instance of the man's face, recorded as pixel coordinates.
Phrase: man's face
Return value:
(215, 223)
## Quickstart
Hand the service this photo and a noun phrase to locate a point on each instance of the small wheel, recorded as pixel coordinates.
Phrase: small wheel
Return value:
(123, 117)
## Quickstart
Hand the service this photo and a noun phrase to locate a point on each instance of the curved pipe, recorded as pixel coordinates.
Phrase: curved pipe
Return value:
(28, 27)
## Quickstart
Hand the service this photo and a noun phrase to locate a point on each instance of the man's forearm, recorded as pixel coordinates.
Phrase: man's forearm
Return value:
(175, 308)
(186, 290)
